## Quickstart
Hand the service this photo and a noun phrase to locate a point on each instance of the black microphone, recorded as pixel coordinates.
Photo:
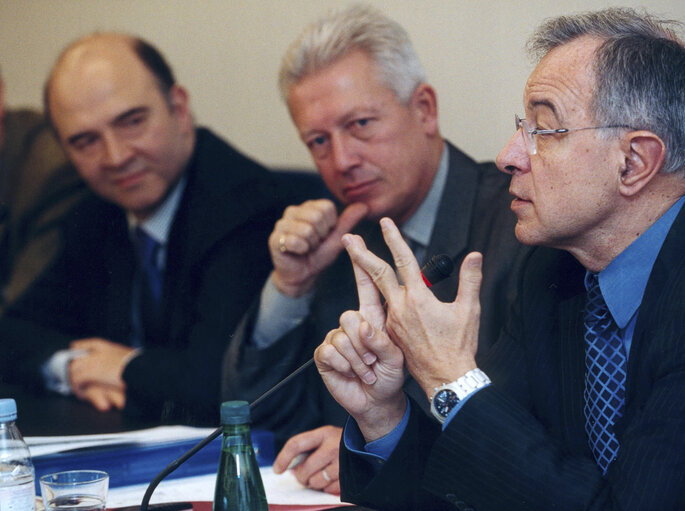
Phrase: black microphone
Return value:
(438, 268)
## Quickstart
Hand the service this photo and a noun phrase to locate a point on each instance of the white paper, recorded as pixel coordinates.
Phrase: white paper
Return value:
(280, 489)
(41, 445)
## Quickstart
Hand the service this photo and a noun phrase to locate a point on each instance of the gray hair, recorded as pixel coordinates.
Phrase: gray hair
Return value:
(639, 71)
(356, 28)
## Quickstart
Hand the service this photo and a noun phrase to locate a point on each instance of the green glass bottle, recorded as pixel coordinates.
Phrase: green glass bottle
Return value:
(239, 484)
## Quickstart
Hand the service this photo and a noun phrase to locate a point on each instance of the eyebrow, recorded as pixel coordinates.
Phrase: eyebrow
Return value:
(130, 113)
(121, 117)
(73, 139)
(355, 113)
(544, 103)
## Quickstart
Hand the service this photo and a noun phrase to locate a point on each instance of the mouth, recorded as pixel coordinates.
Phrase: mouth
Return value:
(518, 200)
(516, 203)
(356, 191)
(130, 179)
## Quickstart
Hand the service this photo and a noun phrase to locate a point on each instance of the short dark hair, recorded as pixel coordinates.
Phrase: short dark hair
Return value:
(155, 62)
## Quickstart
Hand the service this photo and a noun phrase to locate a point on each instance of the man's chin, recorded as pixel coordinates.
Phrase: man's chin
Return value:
(374, 214)
(139, 207)
(525, 235)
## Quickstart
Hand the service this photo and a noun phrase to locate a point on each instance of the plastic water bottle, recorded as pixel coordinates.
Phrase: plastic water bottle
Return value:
(239, 484)
(17, 490)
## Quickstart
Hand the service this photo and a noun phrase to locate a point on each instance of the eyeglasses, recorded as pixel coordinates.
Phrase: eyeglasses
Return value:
(529, 131)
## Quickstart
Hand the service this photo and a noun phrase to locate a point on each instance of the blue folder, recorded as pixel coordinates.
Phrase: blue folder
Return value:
(134, 463)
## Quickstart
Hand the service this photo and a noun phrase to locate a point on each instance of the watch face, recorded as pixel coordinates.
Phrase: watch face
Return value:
(444, 401)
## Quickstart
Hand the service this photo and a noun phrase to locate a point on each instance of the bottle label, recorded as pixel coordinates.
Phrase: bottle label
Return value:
(20, 497)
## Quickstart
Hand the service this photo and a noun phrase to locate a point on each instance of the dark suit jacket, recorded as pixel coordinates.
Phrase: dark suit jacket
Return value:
(217, 261)
(521, 443)
(473, 214)
(37, 190)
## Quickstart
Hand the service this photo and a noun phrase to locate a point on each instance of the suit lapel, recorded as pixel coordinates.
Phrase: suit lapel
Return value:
(218, 198)
(572, 374)
(454, 218)
(121, 266)
(552, 299)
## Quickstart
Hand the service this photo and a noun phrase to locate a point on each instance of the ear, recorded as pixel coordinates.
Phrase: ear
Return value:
(424, 102)
(180, 106)
(644, 154)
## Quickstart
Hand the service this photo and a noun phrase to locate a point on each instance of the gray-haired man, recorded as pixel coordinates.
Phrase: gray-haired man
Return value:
(358, 96)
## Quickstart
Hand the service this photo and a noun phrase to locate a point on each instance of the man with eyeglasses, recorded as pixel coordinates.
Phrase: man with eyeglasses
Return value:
(579, 403)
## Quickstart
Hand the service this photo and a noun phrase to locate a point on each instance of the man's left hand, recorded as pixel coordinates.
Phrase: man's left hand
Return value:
(320, 468)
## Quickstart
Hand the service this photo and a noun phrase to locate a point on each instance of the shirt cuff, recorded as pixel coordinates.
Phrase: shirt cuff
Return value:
(278, 314)
(56, 370)
(378, 451)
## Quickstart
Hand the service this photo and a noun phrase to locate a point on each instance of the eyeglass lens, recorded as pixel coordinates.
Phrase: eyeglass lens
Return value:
(526, 133)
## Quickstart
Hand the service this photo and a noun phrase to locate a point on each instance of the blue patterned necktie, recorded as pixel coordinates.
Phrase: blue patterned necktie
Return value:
(605, 376)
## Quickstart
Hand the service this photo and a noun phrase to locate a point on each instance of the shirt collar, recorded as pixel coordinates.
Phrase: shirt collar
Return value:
(158, 225)
(419, 227)
(623, 282)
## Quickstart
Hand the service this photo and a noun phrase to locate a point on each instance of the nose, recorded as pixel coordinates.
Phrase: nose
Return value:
(343, 153)
(514, 155)
(117, 152)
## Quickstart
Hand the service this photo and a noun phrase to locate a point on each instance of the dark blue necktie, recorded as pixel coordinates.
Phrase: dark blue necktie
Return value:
(147, 249)
(605, 376)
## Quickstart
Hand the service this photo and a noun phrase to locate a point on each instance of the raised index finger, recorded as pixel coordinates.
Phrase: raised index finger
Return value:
(372, 267)
(370, 306)
(405, 262)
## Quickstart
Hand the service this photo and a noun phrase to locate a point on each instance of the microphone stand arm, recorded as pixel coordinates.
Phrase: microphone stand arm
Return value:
(438, 268)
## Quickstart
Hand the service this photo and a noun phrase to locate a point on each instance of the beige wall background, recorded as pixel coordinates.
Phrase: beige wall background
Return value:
(227, 53)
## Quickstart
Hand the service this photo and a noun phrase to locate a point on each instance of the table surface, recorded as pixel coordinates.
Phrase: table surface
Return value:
(56, 415)
(207, 506)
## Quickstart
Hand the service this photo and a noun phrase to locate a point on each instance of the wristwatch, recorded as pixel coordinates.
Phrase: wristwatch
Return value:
(446, 396)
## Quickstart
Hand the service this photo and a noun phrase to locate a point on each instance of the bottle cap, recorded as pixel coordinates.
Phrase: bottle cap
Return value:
(235, 412)
(8, 410)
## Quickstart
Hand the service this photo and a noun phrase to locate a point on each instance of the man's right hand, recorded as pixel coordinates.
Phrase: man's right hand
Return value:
(102, 397)
(306, 240)
(361, 366)
(95, 376)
